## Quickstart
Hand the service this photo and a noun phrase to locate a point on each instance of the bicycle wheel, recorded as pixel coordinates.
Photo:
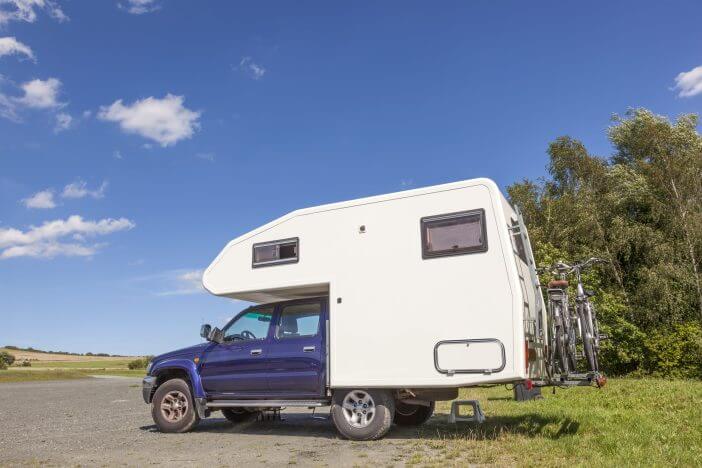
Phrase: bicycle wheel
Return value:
(589, 345)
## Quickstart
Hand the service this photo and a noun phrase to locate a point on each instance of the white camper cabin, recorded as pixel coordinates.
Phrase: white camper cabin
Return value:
(432, 287)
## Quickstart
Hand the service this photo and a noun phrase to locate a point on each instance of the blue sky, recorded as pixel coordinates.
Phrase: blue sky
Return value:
(138, 137)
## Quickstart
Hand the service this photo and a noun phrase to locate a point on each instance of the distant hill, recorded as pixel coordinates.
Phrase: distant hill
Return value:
(31, 354)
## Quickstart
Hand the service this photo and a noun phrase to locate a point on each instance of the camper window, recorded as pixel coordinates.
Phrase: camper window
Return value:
(276, 252)
(518, 243)
(454, 234)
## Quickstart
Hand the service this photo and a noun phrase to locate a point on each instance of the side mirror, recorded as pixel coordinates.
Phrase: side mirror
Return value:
(205, 330)
(216, 335)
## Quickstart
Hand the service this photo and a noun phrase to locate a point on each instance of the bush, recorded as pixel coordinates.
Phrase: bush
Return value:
(6, 358)
(3, 366)
(675, 352)
(140, 363)
(26, 363)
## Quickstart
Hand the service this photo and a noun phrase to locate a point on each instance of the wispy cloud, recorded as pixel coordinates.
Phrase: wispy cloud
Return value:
(165, 121)
(251, 68)
(47, 240)
(26, 10)
(206, 156)
(689, 83)
(40, 200)
(63, 122)
(177, 282)
(139, 7)
(11, 46)
(79, 189)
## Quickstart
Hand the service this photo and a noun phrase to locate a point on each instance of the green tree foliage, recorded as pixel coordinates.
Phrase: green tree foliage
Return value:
(640, 208)
(140, 363)
(6, 360)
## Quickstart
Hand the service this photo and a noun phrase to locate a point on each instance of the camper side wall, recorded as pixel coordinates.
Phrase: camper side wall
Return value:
(398, 319)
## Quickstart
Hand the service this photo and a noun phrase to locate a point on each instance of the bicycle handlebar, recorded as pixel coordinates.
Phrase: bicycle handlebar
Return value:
(563, 268)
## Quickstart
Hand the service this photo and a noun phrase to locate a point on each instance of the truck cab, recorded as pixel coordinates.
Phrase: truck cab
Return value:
(267, 357)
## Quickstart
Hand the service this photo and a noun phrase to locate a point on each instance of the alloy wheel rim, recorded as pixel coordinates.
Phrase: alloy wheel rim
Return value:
(358, 408)
(174, 406)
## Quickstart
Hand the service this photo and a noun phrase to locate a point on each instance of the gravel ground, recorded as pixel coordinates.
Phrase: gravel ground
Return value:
(104, 421)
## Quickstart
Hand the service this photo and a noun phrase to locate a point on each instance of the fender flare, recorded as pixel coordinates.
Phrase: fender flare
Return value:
(186, 365)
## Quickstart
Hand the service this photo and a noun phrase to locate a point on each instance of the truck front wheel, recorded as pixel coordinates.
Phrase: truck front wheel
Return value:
(412, 415)
(173, 408)
(362, 414)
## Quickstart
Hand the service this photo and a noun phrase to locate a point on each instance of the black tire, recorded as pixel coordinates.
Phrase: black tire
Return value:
(239, 415)
(589, 347)
(377, 427)
(412, 415)
(174, 391)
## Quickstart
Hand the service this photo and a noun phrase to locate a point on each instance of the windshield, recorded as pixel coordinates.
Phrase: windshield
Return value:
(249, 325)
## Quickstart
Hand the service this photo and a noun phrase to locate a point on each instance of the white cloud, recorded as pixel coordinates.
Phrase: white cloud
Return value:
(11, 46)
(79, 189)
(24, 10)
(41, 200)
(252, 69)
(45, 241)
(689, 83)
(165, 121)
(183, 282)
(139, 7)
(117, 154)
(63, 122)
(41, 94)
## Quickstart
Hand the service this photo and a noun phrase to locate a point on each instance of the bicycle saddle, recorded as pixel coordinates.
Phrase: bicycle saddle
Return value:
(558, 284)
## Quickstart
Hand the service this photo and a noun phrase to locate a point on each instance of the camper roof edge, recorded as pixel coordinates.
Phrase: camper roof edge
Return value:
(488, 183)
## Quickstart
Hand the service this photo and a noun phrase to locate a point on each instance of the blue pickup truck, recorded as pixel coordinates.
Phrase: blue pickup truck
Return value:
(268, 357)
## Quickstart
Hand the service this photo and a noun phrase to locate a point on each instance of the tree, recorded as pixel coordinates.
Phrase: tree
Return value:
(641, 208)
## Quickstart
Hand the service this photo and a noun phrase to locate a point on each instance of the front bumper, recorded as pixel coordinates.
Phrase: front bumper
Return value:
(147, 387)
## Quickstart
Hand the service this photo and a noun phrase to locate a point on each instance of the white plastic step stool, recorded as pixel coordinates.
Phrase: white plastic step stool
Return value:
(455, 415)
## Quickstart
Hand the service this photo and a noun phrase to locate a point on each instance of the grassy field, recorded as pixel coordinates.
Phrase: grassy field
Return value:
(31, 375)
(64, 366)
(629, 422)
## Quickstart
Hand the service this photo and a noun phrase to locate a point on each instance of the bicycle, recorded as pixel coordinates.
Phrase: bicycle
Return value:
(564, 319)
(562, 338)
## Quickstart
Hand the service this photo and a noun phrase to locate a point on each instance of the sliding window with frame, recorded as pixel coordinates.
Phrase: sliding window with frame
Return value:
(276, 252)
(454, 234)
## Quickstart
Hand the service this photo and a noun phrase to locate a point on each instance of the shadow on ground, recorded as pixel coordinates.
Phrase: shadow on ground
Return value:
(306, 425)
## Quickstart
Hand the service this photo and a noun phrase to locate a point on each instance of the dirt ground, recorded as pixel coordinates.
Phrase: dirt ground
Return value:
(104, 421)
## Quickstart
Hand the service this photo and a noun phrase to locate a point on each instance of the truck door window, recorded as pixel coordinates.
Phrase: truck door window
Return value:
(454, 234)
(299, 320)
(251, 325)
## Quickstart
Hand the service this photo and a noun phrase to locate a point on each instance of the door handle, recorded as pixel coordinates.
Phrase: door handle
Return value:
(308, 349)
(256, 352)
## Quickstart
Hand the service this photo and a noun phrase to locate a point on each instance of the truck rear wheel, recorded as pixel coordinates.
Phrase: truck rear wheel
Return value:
(362, 414)
(237, 415)
(173, 408)
(412, 415)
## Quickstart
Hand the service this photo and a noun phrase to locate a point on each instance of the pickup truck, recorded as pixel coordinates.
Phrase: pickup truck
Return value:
(268, 357)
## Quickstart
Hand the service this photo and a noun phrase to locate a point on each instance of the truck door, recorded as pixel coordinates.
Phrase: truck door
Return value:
(296, 355)
(238, 366)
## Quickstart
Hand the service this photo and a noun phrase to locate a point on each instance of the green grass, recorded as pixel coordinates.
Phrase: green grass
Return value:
(628, 422)
(32, 375)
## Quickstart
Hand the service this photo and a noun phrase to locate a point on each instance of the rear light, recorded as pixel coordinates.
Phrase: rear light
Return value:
(529, 384)
(526, 355)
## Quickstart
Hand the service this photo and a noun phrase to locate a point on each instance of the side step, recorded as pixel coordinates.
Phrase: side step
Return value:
(455, 416)
(265, 403)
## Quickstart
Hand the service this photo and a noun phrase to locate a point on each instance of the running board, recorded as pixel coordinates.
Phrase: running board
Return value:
(265, 403)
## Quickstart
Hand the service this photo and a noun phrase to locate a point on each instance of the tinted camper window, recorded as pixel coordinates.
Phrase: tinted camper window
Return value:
(276, 252)
(454, 234)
